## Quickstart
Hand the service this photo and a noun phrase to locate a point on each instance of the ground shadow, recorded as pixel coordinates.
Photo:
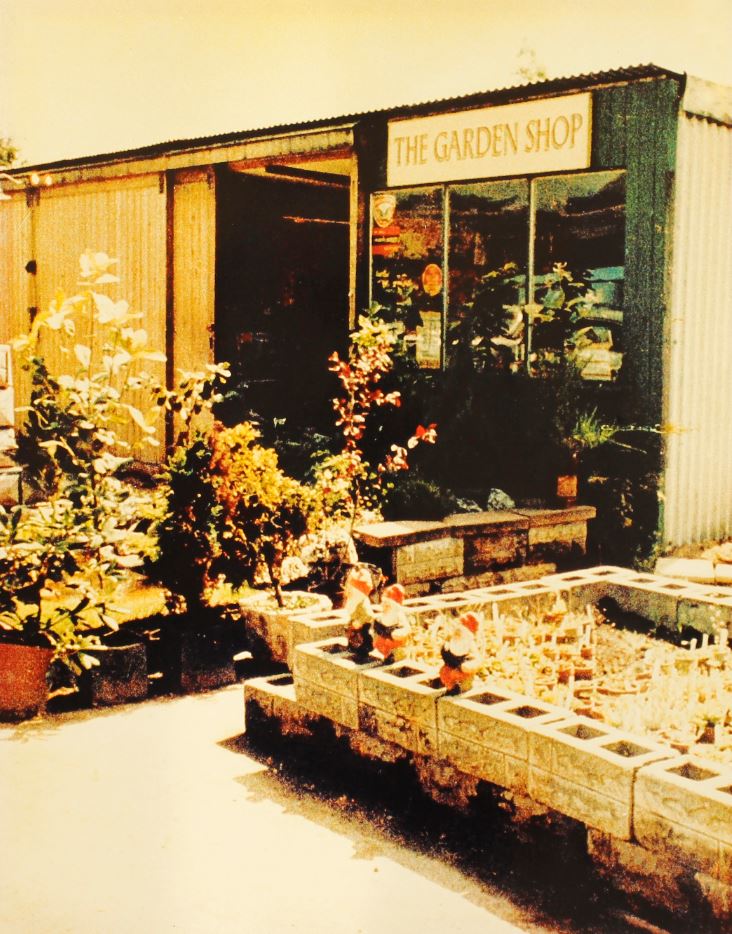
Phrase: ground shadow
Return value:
(540, 867)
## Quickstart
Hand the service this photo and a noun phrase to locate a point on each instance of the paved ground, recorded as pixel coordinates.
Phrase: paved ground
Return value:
(159, 817)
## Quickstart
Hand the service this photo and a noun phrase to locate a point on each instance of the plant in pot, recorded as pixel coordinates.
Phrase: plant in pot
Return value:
(43, 550)
(79, 431)
(586, 433)
(195, 640)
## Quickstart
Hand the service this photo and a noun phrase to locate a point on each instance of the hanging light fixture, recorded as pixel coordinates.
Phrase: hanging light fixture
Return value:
(33, 180)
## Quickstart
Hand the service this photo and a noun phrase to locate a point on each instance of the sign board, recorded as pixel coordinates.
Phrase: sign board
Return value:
(550, 135)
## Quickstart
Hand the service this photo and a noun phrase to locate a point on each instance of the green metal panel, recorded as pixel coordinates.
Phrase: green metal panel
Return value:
(635, 127)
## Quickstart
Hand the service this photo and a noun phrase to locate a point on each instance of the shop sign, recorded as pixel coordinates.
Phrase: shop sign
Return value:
(550, 135)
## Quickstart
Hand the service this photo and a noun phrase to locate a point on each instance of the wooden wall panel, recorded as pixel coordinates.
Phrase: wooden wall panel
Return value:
(14, 280)
(125, 218)
(194, 270)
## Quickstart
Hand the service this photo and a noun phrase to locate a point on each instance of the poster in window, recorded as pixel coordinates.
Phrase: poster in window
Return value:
(407, 255)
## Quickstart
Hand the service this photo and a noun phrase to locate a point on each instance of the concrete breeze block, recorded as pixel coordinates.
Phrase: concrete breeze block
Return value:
(495, 549)
(686, 807)
(329, 704)
(552, 541)
(431, 560)
(485, 733)
(315, 627)
(590, 769)
(646, 599)
(329, 664)
(398, 703)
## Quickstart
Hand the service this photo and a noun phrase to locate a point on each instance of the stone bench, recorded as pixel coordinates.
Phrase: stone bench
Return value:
(475, 549)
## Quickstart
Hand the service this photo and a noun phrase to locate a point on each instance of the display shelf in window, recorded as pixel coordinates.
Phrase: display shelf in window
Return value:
(407, 262)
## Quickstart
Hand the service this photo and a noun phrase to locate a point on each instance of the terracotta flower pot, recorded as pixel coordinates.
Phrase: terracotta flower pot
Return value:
(23, 687)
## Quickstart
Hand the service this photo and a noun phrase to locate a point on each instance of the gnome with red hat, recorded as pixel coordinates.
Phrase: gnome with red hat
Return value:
(357, 605)
(391, 629)
(460, 655)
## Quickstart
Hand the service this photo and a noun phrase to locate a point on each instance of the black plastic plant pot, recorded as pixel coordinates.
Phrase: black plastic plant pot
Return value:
(197, 652)
(121, 675)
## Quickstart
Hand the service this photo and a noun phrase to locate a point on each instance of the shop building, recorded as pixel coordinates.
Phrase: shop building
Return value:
(261, 247)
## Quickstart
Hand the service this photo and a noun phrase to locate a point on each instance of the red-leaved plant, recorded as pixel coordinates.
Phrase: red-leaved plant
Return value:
(349, 485)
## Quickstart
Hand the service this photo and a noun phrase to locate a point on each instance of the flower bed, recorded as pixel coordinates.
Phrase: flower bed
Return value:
(577, 661)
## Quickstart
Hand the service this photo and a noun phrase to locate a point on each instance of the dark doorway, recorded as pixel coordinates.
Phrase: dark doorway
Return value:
(281, 292)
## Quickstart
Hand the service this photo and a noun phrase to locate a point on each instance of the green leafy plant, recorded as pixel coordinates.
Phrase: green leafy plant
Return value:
(51, 566)
(264, 514)
(58, 557)
(191, 514)
(72, 438)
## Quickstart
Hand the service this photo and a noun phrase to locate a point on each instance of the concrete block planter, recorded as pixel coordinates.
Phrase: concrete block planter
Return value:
(705, 612)
(398, 703)
(648, 598)
(431, 560)
(492, 539)
(559, 533)
(462, 546)
(314, 627)
(485, 733)
(586, 770)
(271, 707)
(326, 676)
(269, 627)
(584, 586)
(684, 808)
(23, 687)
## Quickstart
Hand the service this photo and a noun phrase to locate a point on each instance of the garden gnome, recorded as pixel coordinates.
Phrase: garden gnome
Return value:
(391, 629)
(460, 655)
(357, 605)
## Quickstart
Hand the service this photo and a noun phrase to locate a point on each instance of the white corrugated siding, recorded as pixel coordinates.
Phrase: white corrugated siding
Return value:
(698, 477)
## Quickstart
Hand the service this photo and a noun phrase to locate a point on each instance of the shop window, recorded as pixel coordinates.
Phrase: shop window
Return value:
(526, 305)
(580, 223)
(407, 266)
(487, 260)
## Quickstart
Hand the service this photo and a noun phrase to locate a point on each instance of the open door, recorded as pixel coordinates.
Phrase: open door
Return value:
(282, 283)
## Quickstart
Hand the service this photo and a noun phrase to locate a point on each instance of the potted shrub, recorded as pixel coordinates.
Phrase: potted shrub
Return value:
(73, 448)
(41, 547)
(196, 647)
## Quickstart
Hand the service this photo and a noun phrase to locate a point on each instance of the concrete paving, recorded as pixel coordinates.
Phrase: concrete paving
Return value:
(157, 817)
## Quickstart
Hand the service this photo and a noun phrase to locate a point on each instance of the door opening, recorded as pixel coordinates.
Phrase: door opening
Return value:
(282, 288)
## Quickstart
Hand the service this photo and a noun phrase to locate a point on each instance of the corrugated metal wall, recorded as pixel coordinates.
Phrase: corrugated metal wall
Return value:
(698, 409)
(194, 273)
(14, 295)
(194, 270)
(125, 218)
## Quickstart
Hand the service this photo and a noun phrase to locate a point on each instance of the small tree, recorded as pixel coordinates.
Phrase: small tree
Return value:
(264, 514)
(8, 152)
(349, 484)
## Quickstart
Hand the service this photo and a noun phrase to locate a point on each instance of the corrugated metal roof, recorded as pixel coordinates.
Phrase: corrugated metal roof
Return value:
(497, 95)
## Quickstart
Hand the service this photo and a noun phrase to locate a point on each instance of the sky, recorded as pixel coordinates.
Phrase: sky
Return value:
(80, 77)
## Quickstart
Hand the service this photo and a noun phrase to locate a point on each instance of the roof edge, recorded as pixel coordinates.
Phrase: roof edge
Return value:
(497, 95)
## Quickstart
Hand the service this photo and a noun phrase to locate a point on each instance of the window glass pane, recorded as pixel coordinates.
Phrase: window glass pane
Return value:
(580, 222)
(488, 244)
(407, 264)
